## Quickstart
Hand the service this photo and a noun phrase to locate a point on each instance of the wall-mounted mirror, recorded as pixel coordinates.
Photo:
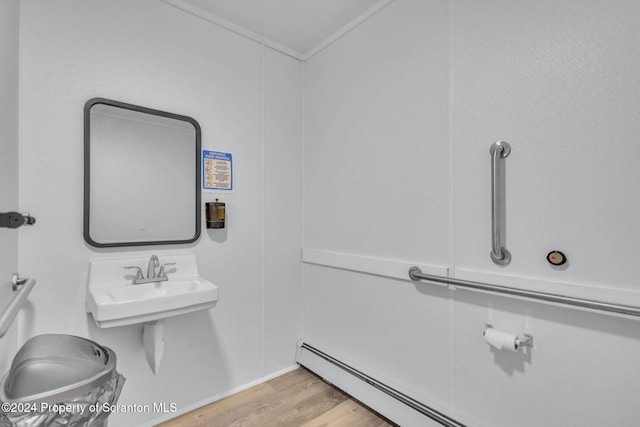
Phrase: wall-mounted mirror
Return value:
(141, 175)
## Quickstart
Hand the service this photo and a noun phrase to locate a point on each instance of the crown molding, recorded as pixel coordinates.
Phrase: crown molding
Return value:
(242, 31)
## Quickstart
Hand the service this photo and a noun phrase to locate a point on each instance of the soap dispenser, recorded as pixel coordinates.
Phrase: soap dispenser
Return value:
(215, 214)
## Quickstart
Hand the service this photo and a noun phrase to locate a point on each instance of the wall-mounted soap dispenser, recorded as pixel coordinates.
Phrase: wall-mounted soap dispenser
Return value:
(215, 214)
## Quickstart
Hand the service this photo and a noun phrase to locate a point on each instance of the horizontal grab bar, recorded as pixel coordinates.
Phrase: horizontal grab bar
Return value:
(11, 310)
(416, 274)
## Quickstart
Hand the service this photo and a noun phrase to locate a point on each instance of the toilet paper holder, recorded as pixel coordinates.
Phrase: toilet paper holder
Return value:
(525, 341)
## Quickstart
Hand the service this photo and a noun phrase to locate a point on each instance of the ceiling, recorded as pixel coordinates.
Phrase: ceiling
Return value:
(299, 26)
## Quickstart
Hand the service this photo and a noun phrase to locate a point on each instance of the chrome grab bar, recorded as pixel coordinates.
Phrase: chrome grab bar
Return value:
(499, 254)
(9, 313)
(416, 274)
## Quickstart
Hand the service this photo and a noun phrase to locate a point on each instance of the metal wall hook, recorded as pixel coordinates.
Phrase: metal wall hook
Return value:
(28, 219)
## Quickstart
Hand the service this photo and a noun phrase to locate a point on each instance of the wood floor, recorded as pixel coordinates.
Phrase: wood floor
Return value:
(296, 399)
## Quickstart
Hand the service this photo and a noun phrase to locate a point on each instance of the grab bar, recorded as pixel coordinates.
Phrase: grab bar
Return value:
(416, 274)
(499, 254)
(11, 310)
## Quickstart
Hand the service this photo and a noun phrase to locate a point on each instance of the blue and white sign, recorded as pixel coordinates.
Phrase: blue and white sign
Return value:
(217, 170)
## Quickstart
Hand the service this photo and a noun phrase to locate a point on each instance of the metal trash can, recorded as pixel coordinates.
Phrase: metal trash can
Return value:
(60, 380)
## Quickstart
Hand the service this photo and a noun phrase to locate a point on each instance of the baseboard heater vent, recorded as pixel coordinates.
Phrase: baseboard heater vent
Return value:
(425, 410)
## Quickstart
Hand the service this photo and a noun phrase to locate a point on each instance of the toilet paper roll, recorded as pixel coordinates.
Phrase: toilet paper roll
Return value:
(501, 340)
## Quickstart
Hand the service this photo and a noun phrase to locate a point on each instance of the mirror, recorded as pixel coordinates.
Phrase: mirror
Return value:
(141, 175)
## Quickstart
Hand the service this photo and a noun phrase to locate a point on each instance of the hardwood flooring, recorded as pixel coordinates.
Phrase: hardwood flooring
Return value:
(296, 399)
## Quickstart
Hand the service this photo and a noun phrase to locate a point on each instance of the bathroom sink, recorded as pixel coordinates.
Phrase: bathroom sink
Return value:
(150, 291)
(113, 300)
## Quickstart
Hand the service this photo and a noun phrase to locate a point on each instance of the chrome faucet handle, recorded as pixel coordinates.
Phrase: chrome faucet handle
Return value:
(139, 275)
(163, 273)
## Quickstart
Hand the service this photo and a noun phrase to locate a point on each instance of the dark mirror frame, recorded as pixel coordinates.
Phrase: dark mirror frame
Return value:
(87, 157)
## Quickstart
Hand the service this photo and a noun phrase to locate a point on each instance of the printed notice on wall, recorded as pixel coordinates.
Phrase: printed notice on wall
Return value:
(217, 170)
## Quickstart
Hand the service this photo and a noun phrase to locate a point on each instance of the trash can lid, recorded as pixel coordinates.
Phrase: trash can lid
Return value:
(54, 367)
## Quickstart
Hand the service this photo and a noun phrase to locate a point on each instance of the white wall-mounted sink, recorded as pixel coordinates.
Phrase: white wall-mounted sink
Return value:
(113, 300)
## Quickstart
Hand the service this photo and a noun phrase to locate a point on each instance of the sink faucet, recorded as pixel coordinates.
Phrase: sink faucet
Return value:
(151, 272)
(151, 268)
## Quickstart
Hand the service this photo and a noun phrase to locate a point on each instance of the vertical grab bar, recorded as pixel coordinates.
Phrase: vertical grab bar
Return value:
(499, 254)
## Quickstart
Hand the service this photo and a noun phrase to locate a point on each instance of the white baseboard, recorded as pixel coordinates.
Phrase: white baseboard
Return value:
(379, 397)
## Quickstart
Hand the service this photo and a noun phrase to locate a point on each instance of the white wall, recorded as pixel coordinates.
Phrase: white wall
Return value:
(559, 81)
(9, 18)
(376, 185)
(399, 117)
(151, 54)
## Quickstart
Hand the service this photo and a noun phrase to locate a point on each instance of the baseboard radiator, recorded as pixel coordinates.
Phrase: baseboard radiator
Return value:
(386, 400)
